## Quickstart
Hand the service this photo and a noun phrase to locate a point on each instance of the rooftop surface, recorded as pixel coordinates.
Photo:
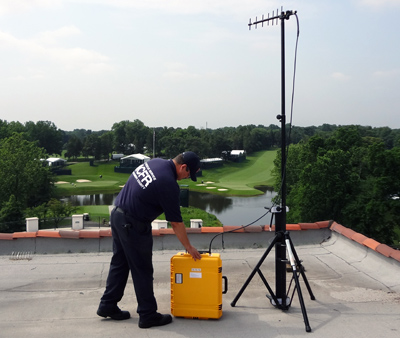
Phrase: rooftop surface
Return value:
(357, 290)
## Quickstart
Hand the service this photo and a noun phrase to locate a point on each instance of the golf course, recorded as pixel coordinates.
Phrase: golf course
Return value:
(231, 179)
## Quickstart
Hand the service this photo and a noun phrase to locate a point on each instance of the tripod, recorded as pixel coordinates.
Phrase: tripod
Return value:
(282, 240)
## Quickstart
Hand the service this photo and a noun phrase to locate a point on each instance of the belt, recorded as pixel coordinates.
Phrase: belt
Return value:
(122, 211)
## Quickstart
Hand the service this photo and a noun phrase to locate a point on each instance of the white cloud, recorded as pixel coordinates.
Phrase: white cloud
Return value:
(387, 73)
(170, 6)
(340, 76)
(69, 58)
(50, 37)
(177, 71)
(15, 6)
(379, 3)
(190, 6)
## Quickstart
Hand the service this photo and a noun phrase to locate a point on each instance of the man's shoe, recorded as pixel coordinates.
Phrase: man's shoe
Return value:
(117, 314)
(157, 320)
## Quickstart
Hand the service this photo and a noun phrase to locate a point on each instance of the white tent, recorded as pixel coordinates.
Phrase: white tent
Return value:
(134, 159)
(55, 161)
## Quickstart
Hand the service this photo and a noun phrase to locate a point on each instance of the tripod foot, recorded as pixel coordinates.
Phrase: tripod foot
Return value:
(279, 305)
(308, 328)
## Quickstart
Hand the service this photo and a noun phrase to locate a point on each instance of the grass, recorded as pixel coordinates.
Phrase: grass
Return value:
(100, 214)
(232, 179)
(110, 182)
(235, 179)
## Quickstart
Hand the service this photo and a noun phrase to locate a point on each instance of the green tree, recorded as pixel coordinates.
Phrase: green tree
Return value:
(23, 174)
(74, 147)
(47, 135)
(106, 141)
(60, 210)
(11, 216)
(346, 177)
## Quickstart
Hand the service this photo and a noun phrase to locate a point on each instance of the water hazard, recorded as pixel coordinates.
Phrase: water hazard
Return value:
(229, 210)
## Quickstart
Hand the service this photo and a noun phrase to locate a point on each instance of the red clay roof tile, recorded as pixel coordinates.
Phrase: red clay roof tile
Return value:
(395, 254)
(155, 232)
(293, 227)
(24, 234)
(74, 234)
(192, 231)
(212, 229)
(166, 231)
(89, 234)
(371, 243)
(253, 228)
(337, 227)
(308, 226)
(384, 249)
(233, 227)
(48, 233)
(349, 233)
(359, 238)
(8, 237)
(323, 224)
(105, 233)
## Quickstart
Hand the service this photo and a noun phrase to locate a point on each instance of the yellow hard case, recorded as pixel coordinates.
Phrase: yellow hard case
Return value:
(196, 286)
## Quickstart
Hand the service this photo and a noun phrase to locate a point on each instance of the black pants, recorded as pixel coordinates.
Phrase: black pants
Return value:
(132, 250)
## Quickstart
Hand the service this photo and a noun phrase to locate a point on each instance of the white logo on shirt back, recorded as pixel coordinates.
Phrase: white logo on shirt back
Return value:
(143, 175)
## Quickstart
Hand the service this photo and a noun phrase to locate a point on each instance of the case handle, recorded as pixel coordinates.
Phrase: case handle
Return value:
(225, 284)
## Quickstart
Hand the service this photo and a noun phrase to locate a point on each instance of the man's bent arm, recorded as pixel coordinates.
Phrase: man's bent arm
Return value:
(180, 232)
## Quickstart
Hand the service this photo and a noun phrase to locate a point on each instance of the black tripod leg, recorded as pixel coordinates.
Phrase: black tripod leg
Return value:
(269, 289)
(255, 270)
(303, 308)
(297, 283)
(301, 268)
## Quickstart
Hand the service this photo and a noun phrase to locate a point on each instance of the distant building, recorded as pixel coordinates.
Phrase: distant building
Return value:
(128, 163)
(234, 155)
(133, 160)
(56, 162)
(209, 163)
(58, 165)
(116, 156)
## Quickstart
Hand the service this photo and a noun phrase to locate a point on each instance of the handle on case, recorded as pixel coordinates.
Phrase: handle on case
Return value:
(225, 284)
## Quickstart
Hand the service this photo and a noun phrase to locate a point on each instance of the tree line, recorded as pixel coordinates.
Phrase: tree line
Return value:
(129, 137)
(345, 173)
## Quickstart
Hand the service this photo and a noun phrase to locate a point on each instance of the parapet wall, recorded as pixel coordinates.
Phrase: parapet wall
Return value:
(100, 239)
(228, 237)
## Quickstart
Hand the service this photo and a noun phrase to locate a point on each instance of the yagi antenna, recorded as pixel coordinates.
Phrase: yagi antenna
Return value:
(274, 18)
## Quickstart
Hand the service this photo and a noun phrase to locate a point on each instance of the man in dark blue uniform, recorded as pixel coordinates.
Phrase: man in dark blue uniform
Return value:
(151, 190)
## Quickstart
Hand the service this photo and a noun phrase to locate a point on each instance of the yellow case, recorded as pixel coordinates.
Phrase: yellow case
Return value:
(196, 286)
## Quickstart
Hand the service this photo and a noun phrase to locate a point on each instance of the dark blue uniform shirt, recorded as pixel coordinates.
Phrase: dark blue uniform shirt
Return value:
(151, 190)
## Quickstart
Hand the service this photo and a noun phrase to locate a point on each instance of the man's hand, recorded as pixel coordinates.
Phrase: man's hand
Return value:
(193, 252)
(180, 232)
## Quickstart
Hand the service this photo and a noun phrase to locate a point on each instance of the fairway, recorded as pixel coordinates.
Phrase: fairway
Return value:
(257, 173)
(234, 179)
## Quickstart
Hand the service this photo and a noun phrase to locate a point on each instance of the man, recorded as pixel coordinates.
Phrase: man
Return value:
(151, 190)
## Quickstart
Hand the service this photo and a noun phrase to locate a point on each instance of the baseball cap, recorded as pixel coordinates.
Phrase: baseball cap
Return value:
(193, 163)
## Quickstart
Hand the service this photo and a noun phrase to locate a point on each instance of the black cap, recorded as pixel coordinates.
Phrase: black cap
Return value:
(193, 163)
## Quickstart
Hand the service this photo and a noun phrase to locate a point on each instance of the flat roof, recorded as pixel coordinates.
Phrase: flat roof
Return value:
(356, 289)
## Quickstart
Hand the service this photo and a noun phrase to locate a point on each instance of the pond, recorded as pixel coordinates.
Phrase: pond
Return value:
(229, 210)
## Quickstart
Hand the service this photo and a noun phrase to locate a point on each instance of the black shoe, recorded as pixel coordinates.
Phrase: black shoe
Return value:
(116, 314)
(157, 320)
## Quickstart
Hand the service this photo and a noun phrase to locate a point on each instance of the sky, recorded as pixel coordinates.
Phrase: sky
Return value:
(88, 64)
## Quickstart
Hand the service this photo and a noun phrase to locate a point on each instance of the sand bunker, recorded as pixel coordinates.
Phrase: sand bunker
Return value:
(222, 189)
(211, 187)
(83, 181)
(61, 182)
